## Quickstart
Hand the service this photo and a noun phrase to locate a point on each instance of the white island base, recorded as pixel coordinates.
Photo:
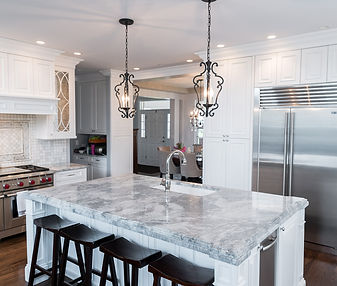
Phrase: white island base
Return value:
(289, 249)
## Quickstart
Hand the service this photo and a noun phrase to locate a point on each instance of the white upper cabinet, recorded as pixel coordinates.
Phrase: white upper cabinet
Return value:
(3, 73)
(44, 78)
(288, 68)
(332, 63)
(100, 120)
(20, 75)
(314, 65)
(239, 98)
(265, 70)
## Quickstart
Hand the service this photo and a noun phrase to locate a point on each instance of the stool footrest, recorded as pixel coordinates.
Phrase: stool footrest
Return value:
(43, 271)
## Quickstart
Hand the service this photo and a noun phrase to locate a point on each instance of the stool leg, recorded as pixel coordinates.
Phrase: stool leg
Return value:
(80, 260)
(174, 284)
(63, 262)
(126, 274)
(56, 244)
(88, 266)
(34, 256)
(134, 280)
(113, 272)
(156, 280)
(104, 271)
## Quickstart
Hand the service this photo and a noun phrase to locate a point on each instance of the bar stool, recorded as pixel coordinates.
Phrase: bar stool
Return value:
(180, 271)
(129, 253)
(90, 239)
(54, 224)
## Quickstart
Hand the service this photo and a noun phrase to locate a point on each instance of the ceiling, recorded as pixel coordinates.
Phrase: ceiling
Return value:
(166, 32)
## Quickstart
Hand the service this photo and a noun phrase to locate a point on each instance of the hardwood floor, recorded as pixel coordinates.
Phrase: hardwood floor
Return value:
(320, 269)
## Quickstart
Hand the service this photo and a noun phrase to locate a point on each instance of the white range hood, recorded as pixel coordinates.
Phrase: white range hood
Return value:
(10, 104)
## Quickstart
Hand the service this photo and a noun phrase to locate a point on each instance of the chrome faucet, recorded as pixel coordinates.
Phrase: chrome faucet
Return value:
(166, 180)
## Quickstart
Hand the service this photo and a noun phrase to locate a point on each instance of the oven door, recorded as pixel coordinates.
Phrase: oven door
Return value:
(12, 218)
(2, 220)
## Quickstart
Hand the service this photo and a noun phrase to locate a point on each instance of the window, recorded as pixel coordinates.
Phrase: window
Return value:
(154, 104)
(168, 126)
(142, 125)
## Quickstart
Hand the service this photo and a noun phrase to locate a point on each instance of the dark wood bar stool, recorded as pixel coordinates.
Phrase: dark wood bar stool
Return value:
(90, 239)
(54, 224)
(180, 271)
(129, 253)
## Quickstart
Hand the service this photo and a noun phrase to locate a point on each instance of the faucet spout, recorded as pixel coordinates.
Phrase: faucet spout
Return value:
(166, 181)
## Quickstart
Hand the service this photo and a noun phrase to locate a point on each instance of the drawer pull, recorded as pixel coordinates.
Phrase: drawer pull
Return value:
(71, 175)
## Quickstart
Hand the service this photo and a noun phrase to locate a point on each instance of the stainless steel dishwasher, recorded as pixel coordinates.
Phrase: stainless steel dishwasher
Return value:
(267, 260)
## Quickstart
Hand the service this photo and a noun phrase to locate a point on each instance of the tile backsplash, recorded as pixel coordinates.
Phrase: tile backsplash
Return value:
(19, 143)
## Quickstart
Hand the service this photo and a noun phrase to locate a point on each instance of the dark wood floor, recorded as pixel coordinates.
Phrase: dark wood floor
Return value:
(320, 268)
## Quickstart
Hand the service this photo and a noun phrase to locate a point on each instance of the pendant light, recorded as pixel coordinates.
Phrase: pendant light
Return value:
(208, 79)
(126, 91)
(196, 120)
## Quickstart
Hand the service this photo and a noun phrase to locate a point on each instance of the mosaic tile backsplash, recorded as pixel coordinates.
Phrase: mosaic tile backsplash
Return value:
(18, 143)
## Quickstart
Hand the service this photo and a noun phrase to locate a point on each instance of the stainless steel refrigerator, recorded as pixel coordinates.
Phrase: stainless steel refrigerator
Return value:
(295, 152)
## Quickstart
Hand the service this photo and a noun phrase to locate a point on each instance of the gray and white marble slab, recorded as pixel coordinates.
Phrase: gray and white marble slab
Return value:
(226, 225)
(61, 167)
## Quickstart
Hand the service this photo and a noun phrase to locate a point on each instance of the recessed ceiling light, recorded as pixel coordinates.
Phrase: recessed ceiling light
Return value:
(189, 61)
(271, 37)
(220, 46)
(136, 69)
(77, 53)
(40, 42)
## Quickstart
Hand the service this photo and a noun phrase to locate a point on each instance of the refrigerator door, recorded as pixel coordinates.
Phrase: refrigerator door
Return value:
(314, 171)
(272, 160)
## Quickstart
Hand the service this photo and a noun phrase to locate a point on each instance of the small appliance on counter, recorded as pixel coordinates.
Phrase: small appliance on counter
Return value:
(97, 145)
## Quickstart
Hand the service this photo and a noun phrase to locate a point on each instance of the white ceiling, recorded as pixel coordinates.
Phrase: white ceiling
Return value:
(166, 32)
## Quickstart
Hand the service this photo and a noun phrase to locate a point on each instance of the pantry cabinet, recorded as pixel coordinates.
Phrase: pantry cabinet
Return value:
(314, 65)
(92, 107)
(3, 73)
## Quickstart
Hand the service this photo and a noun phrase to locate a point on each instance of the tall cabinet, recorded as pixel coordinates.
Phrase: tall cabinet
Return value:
(227, 142)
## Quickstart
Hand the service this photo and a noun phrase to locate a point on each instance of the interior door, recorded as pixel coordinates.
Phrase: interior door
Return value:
(272, 154)
(314, 171)
(156, 134)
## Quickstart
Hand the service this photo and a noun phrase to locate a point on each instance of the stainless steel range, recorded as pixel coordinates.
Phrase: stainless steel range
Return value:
(12, 181)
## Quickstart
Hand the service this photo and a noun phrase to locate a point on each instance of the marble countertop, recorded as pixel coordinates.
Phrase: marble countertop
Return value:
(226, 224)
(65, 167)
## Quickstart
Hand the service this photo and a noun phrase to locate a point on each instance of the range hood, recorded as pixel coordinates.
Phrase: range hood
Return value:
(11, 104)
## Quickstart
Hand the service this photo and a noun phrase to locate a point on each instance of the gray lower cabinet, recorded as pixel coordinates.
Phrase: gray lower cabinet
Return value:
(97, 166)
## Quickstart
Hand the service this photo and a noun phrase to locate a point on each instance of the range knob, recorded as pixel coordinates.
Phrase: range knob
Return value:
(6, 186)
(31, 182)
(43, 180)
(20, 184)
(49, 179)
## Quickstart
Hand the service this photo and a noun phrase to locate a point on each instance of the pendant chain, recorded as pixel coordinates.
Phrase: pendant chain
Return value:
(126, 48)
(209, 31)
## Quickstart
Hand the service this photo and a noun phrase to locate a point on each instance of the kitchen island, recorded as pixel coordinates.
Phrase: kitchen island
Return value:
(213, 227)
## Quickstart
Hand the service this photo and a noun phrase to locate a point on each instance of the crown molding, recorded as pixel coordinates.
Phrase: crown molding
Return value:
(66, 61)
(302, 41)
(26, 49)
(89, 77)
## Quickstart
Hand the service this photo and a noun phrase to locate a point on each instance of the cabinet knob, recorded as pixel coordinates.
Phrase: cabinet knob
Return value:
(282, 228)
(225, 140)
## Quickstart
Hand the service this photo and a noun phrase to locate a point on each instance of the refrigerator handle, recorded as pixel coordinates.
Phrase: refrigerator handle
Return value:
(291, 152)
(285, 151)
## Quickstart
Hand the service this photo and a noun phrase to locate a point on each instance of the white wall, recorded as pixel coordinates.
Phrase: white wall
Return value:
(187, 105)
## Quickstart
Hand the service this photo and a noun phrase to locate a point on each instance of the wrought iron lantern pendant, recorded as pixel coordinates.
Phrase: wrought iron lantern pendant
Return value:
(207, 99)
(126, 91)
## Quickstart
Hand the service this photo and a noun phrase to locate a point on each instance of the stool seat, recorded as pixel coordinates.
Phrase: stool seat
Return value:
(181, 272)
(130, 252)
(53, 223)
(86, 236)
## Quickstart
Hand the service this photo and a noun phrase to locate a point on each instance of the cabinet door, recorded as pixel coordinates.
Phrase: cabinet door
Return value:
(265, 70)
(238, 164)
(288, 68)
(44, 78)
(332, 63)
(85, 102)
(3, 73)
(238, 116)
(100, 113)
(214, 126)
(99, 168)
(314, 65)
(214, 164)
(20, 75)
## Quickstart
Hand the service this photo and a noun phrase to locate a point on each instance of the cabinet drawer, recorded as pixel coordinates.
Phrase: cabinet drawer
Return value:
(70, 177)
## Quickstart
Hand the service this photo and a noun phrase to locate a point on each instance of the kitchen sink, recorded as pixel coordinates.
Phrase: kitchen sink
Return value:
(186, 189)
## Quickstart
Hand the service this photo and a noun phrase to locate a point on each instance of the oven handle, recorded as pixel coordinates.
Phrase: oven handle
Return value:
(10, 196)
(1, 197)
